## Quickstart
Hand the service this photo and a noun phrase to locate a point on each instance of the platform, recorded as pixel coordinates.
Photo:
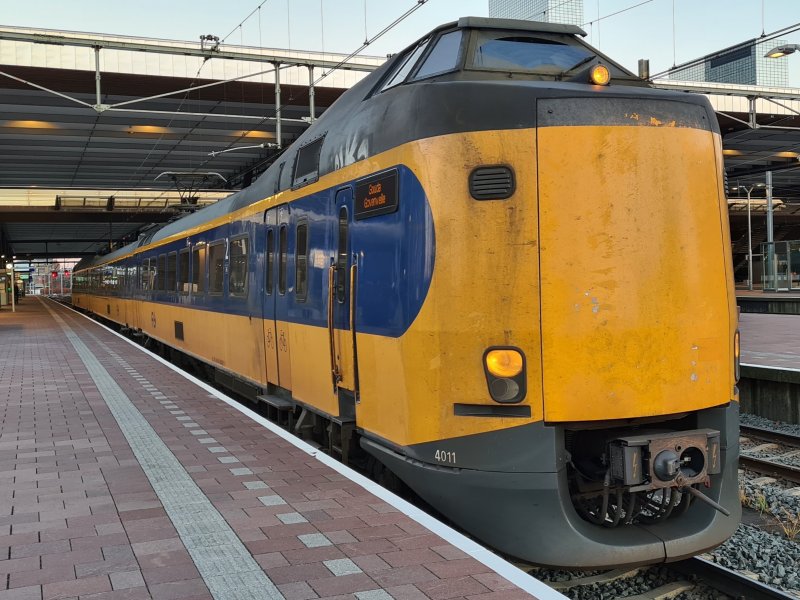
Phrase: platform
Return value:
(757, 301)
(770, 340)
(770, 382)
(123, 479)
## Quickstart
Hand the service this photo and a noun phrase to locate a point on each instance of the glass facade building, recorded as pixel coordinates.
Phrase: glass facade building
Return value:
(551, 11)
(745, 65)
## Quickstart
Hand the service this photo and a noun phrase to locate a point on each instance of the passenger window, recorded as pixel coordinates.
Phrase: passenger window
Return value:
(341, 256)
(270, 260)
(145, 275)
(301, 262)
(198, 269)
(216, 267)
(404, 67)
(237, 286)
(443, 57)
(172, 265)
(161, 272)
(306, 167)
(282, 260)
(183, 271)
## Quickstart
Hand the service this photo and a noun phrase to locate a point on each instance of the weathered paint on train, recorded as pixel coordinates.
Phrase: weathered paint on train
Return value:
(608, 269)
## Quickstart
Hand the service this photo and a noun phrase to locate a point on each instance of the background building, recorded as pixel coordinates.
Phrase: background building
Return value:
(743, 64)
(551, 11)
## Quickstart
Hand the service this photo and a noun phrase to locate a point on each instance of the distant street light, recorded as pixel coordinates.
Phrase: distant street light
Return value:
(780, 51)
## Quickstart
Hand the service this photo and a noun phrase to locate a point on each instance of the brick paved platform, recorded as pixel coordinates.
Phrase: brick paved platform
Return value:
(120, 479)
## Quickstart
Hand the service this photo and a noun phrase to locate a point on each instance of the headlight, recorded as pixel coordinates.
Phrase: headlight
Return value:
(505, 374)
(600, 75)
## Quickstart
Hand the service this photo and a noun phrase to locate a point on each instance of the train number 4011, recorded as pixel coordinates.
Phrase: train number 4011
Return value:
(445, 456)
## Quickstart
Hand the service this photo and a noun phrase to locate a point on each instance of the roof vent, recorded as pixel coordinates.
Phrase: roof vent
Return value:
(494, 182)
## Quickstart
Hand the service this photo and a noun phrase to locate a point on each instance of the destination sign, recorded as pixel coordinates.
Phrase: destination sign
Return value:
(376, 195)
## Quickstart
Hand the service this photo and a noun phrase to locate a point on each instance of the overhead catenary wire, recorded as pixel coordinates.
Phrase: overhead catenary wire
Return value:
(614, 14)
(243, 21)
(288, 25)
(185, 98)
(788, 29)
(381, 33)
(169, 123)
(366, 43)
(366, 35)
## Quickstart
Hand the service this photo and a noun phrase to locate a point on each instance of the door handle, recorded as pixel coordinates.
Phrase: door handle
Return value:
(353, 277)
(336, 376)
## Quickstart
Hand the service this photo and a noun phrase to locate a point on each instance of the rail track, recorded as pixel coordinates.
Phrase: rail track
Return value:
(733, 583)
(765, 466)
(770, 435)
(691, 574)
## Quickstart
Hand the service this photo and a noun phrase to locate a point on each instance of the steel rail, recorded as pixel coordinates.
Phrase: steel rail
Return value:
(770, 435)
(768, 467)
(728, 581)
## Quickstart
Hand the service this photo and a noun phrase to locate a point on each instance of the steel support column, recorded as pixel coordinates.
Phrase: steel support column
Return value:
(97, 105)
(311, 110)
(278, 136)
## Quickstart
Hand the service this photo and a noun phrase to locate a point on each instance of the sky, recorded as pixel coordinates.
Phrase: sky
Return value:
(645, 30)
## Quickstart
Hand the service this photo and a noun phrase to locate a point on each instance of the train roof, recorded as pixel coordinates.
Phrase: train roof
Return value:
(516, 24)
(371, 117)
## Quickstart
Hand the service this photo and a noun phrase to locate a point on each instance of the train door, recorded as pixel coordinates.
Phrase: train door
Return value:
(268, 297)
(341, 303)
(135, 292)
(282, 297)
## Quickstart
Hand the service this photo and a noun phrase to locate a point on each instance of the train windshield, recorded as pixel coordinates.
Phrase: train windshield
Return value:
(510, 52)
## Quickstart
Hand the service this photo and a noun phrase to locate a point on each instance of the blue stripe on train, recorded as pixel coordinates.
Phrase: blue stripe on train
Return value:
(394, 253)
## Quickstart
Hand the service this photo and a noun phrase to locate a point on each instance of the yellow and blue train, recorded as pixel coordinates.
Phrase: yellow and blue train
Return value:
(499, 267)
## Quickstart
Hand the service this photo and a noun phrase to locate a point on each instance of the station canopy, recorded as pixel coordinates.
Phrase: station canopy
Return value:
(101, 137)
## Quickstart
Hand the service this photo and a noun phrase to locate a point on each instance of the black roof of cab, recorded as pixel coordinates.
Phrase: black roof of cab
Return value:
(518, 24)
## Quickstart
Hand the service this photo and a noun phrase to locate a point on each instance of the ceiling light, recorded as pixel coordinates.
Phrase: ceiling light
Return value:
(254, 134)
(148, 129)
(30, 124)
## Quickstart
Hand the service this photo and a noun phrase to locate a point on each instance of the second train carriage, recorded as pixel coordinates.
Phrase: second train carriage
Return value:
(510, 277)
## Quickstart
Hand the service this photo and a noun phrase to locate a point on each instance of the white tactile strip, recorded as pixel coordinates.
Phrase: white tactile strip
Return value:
(226, 566)
(483, 555)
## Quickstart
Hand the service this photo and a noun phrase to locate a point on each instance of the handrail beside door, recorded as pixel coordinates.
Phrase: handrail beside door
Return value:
(336, 374)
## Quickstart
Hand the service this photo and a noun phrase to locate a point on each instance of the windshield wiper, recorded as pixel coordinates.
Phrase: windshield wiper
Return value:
(581, 62)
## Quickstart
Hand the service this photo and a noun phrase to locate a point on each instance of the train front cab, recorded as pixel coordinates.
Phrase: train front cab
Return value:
(628, 337)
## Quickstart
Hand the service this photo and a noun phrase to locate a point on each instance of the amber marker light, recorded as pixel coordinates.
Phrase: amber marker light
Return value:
(600, 75)
(736, 356)
(505, 373)
(504, 363)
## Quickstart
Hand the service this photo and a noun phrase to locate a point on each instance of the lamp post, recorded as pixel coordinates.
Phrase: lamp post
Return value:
(773, 267)
(10, 267)
(780, 51)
